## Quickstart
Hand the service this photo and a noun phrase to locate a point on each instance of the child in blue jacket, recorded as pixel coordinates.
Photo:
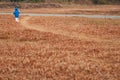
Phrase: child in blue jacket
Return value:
(16, 14)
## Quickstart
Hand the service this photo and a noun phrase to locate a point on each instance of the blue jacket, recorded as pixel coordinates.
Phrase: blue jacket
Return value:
(16, 12)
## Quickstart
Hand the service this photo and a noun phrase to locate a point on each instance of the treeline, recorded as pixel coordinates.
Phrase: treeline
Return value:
(106, 1)
(70, 1)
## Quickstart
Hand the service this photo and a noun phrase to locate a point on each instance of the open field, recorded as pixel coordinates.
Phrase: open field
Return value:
(65, 9)
(59, 48)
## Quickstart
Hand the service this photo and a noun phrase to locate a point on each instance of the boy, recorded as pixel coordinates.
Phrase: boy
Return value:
(16, 14)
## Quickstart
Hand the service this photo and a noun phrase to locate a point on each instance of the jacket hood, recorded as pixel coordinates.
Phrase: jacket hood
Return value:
(16, 9)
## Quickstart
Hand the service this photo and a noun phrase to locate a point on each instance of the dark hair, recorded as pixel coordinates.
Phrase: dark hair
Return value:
(16, 6)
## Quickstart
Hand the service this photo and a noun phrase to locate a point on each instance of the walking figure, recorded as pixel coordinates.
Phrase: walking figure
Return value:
(16, 14)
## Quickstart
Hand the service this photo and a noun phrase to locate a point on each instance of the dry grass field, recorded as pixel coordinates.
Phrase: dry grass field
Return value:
(59, 48)
(70, 9)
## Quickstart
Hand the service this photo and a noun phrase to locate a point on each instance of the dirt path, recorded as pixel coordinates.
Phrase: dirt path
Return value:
(24, 22)
(68, 15)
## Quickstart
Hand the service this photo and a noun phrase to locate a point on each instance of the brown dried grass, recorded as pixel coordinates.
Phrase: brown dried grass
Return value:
(28, 54)
(73, 9)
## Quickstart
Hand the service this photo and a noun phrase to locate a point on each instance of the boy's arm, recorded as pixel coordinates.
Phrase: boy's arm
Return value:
(19, 11)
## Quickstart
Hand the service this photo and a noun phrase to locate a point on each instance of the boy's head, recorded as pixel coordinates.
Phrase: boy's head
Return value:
(16, 8)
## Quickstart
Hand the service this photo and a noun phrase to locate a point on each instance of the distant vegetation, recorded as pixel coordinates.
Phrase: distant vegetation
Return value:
(106, 1)
(71, 1)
